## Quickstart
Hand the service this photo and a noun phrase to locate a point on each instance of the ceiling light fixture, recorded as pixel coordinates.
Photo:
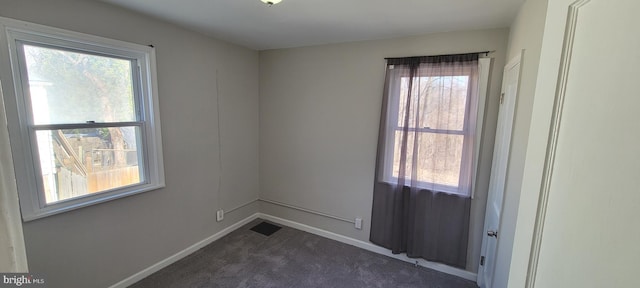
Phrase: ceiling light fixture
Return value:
(270, 2)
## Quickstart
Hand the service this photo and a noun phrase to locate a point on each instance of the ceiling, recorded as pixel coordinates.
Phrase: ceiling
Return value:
(295, 23)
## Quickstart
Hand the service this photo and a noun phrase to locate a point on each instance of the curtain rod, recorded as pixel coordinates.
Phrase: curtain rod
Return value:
(481, 52)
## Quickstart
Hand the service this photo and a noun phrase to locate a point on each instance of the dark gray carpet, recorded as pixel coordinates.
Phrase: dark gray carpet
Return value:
(296, 259)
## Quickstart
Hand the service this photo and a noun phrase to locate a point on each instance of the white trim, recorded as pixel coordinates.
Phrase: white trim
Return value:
(184, 253)
(371, 247)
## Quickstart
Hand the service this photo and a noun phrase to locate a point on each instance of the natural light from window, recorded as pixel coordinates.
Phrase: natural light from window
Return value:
(70, 88)
(438, 154)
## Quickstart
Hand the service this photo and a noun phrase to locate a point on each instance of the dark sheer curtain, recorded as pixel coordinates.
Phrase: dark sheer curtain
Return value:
(422, 190)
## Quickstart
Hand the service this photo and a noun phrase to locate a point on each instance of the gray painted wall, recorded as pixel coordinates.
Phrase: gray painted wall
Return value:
(100, 245)
(319, 115)
(315, 129)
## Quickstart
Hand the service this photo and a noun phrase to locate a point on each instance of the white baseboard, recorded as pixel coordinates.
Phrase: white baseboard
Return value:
(175, 257)
(313, 230)
(371, 247)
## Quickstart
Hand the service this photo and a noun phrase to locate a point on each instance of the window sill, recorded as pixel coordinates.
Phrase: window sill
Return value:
(435, 188)
(88, 200)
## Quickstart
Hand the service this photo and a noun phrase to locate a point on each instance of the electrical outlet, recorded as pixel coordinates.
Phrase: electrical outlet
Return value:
(359, 223)
(219, 215)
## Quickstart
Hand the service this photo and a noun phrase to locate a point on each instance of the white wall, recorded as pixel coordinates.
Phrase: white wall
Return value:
(319, 116)
(606, 258)
(100, 245)
(551, 48)
(591, 231)
(526, 33)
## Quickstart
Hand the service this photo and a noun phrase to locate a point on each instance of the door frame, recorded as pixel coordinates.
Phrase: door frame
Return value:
(517, 60)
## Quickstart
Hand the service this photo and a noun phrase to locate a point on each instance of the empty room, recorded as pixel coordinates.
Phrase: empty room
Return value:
(319, 143)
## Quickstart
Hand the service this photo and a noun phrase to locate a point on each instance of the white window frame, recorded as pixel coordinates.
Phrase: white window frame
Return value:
(22, 135)
(484, 65)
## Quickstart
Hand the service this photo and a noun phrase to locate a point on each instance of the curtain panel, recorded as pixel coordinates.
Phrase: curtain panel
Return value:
(424, 166)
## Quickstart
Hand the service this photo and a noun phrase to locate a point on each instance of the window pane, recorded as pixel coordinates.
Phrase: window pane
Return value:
(397, 155)
(436, 102)
(72, 87)
(438, 158)
(77, 162)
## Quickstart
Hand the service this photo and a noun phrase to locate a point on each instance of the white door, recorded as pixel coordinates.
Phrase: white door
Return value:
(498, 172)
(587, 232)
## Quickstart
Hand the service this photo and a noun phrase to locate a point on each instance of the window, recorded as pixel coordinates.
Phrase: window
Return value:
(440, 126)
(84, 123)
(440, 132)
